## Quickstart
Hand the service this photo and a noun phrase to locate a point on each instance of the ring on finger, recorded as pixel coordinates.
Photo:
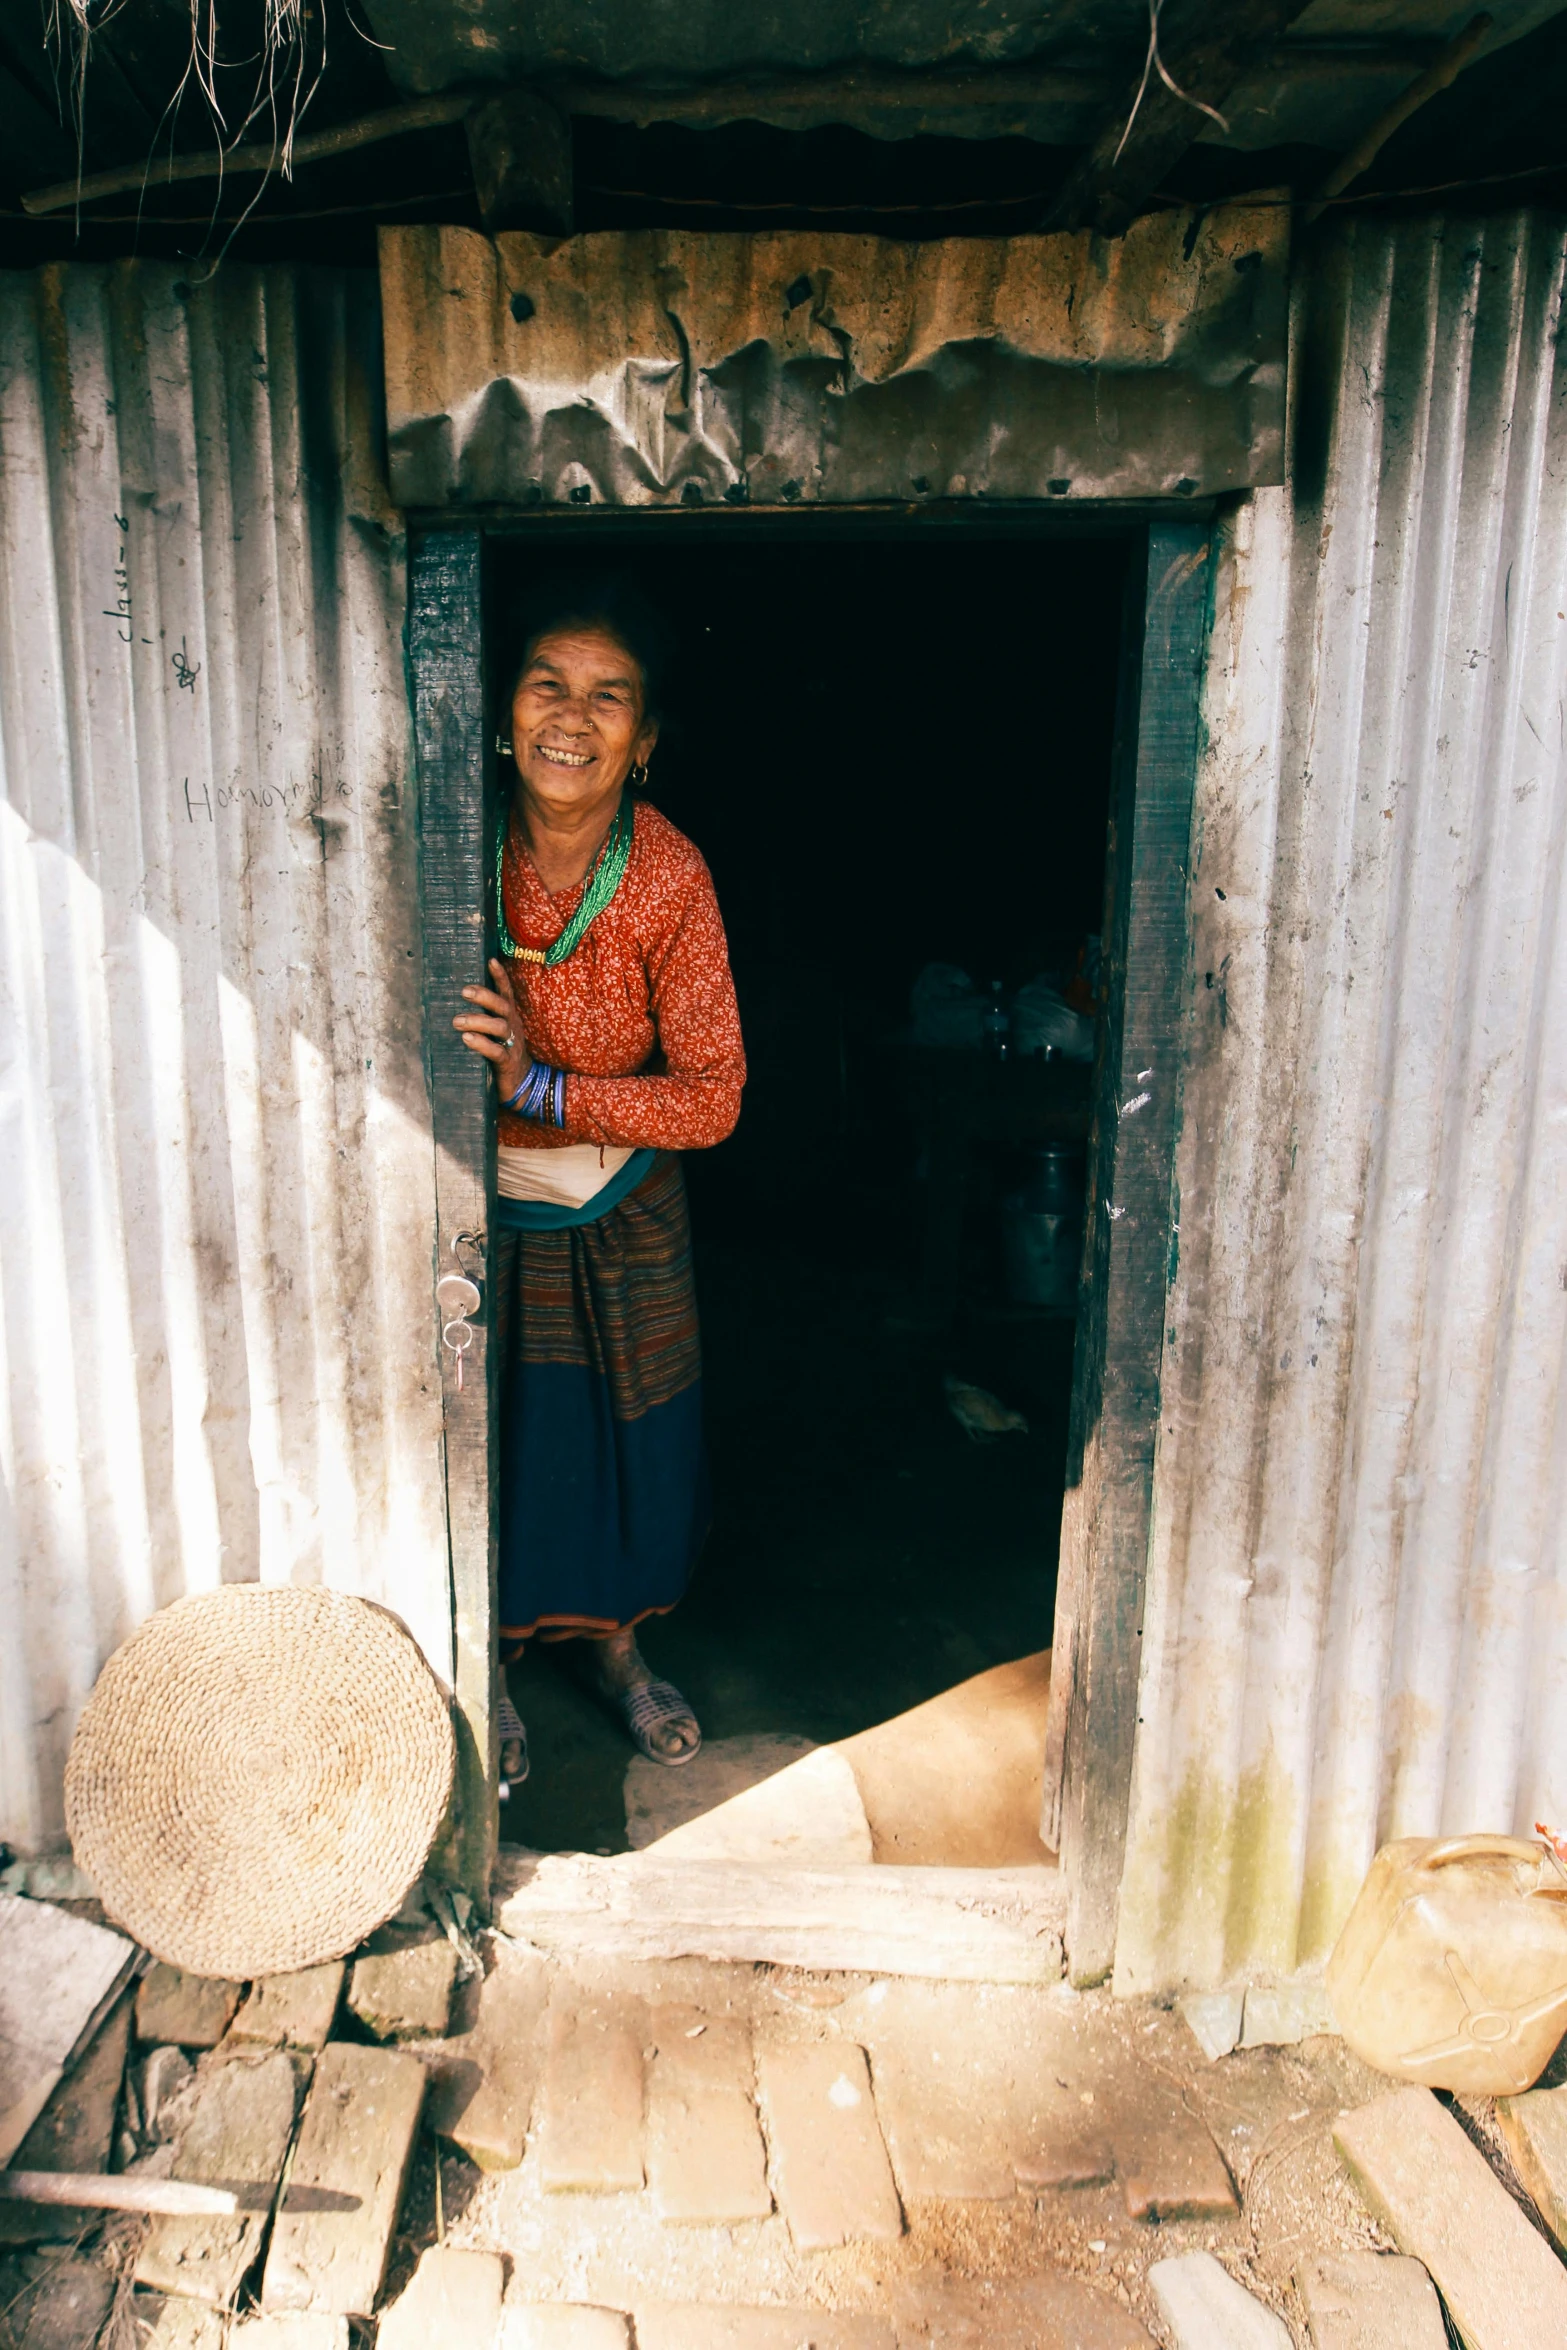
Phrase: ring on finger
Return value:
(511, 1042)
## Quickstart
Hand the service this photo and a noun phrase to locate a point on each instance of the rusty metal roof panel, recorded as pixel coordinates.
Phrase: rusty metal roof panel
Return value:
(216, 1217)
(645, 368)
(1356, 1626)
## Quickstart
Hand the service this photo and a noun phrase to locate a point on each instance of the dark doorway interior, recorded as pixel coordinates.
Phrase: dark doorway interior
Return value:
(893, 753)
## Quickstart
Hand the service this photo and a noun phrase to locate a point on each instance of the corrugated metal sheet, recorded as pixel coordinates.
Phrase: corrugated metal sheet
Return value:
(1357, 1621)
(217, 1201)
(681, 42)
(650, 368)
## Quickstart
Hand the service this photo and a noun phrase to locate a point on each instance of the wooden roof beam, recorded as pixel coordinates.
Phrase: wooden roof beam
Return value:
(1204, 47)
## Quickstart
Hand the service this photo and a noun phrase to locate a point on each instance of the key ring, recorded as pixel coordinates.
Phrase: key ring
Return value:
(460, 1344)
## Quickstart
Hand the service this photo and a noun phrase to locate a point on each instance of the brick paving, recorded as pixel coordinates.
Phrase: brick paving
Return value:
(608, 2154)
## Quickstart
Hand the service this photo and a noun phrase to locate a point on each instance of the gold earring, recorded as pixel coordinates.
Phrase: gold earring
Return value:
(638, 776)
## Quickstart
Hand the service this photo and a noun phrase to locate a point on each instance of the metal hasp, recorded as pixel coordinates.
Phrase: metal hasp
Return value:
(1130, 1257)
(445, 657)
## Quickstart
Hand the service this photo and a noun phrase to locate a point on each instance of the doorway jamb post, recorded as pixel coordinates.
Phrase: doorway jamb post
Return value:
(1115, 1403)
(445, 653)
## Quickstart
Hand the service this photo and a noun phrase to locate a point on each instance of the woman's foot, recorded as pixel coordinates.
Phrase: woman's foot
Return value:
(513, 1741)
(657, 1716)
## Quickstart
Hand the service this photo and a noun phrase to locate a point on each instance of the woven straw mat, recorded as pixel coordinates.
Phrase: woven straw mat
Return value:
(258, 1777)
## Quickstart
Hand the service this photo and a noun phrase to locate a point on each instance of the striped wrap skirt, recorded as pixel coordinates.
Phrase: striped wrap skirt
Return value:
(604, 1494)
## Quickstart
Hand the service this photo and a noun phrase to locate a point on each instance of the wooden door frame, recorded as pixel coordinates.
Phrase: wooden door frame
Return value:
(1133, 1233)
(1129, 1258)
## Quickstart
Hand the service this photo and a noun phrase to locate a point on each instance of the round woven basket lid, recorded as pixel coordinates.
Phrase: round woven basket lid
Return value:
(258, 1777)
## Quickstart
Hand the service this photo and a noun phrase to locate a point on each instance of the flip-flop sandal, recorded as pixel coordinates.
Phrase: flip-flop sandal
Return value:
(648, 1709)
(510, 1732)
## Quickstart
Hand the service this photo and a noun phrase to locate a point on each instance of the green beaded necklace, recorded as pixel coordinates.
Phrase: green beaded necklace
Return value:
(605, 876)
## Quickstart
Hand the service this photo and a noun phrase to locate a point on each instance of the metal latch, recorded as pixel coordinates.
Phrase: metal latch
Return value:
(459, 1297)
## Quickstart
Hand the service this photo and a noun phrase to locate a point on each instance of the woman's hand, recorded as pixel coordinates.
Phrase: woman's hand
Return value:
(495, 1030)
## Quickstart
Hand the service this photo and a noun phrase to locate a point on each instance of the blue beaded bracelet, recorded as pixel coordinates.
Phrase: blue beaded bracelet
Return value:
(541, 1096)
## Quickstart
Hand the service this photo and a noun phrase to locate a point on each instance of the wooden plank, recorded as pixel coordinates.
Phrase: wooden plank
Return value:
(1106, 1519)
(59, 1976)
(1206, 46)
(967, 1925)
(1440, 2200)
(445, 652)
(75, 2131)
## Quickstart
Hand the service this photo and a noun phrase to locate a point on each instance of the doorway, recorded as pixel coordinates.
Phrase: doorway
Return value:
(819, 1423)
(897, 762)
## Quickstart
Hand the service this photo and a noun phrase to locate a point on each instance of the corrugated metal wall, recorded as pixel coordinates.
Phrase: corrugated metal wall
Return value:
(1356, 1625)
(216, 1168)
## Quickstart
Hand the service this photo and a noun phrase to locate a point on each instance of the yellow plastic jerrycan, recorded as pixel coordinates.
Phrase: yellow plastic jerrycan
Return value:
(1452, 1966)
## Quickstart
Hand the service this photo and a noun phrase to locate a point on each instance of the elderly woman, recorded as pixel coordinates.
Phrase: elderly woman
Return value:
(615, 1039)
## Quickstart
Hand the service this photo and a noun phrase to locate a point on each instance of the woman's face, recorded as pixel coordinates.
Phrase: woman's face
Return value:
(578, 717)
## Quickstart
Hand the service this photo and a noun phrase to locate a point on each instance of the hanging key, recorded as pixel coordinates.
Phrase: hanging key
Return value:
(458, 1335)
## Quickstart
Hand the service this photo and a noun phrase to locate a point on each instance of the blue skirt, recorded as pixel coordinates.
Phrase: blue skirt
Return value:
(604, 1495)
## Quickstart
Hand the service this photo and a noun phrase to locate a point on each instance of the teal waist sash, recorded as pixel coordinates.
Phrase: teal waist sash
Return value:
(545, 1215)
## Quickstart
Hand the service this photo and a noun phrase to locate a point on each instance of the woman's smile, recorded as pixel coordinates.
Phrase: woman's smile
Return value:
(578, 725)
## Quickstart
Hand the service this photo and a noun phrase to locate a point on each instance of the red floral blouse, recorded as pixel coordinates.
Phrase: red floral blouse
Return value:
(643, 1014)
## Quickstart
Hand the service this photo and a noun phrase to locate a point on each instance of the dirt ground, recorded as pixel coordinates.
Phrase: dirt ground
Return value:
(968, 2080)
(1018, 2060)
